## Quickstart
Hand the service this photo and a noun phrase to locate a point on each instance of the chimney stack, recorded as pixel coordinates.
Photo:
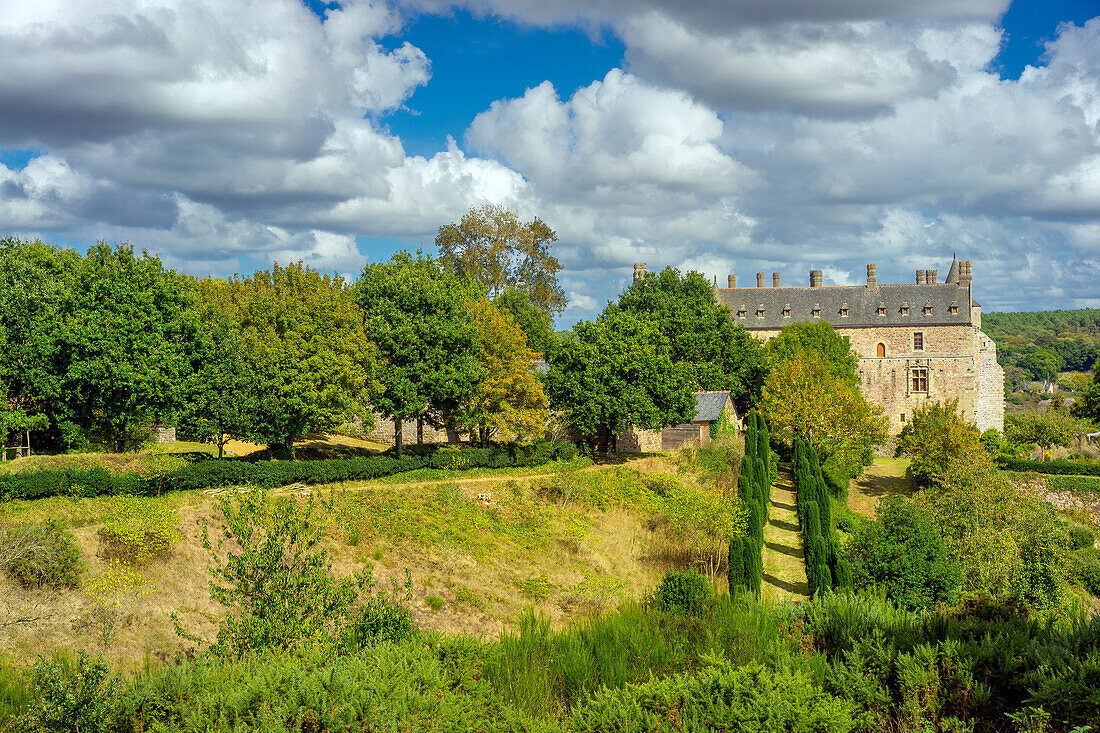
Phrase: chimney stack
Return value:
(872, 275)
(639, 271)
(966, 274)
(759, 279)
(932, 276)
(775, 279)
(920, 277)
(815, 278)
(731, 281)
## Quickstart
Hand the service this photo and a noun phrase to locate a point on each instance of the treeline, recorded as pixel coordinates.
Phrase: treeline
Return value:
(1038, 345)
(825, 568)
(754, 490)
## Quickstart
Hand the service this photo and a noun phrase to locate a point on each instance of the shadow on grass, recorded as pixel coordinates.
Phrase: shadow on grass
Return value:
(785, 550)
(789, 526)
(781, 505)
(800, 588)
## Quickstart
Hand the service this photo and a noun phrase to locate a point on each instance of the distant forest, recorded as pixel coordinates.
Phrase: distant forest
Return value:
(1039, 345)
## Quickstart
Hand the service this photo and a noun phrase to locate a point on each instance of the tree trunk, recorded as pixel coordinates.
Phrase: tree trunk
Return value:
(484, 436)
(221, 447)
(420, 430)
(397, 435)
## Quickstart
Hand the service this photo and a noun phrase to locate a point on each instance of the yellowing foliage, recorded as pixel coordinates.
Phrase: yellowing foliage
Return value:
(510, 401)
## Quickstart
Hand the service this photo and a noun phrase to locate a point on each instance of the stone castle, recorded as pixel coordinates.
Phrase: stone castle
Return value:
(916, 342)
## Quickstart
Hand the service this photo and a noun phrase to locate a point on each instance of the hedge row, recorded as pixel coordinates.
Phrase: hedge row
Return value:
(271, 474)
(824, 569)
(1059, 467)
(754, 489)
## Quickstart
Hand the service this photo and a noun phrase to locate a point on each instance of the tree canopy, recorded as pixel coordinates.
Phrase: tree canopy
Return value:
(820, 338)
(935, 436)
(806, 397)
(1087, 406)
(416, 312)
(491, 246)
(718, 354)
(616, 372)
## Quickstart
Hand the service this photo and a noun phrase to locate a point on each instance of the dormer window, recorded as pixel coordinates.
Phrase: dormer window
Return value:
(816, 312)
(844, 311)
(741, 312)
(954, 310)
(760, 312)
(928, 310)
(787, 310)
(882, 310)
(905, 309)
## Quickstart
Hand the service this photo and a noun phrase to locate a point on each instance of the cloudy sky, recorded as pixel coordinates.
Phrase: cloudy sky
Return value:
(731, 136)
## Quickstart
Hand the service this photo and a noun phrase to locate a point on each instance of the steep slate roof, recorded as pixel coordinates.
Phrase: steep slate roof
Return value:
(861, 301)
(709, 405)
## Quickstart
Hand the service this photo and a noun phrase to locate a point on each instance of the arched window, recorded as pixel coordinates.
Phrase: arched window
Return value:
(882, 349)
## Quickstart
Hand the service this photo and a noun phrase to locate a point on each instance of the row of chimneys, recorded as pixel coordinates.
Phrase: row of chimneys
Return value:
(924, 277)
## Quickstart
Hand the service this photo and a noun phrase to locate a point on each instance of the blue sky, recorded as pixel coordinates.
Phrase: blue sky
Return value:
(730, 137)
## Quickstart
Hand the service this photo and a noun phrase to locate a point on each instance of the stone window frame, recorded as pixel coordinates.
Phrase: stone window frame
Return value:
(741, 313)
(954, 310)
(927, 310)
(760, 312)
(905, 310)
(880, 350)
(787, 311)
(882, 310)
(918, 340)
(918, 380)
(844, 311)
(816, 311)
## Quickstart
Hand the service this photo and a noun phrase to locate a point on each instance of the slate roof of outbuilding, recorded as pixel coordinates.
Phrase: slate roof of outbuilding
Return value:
(709, 405)
(862, 303)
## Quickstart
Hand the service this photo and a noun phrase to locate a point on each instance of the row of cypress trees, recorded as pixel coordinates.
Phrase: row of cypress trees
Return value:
(754, 489)
(824, 568)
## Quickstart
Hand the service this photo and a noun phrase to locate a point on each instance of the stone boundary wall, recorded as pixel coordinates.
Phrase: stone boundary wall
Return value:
(989, 411)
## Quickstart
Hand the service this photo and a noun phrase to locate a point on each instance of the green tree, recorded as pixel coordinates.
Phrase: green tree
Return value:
(616, 372)
(536, 324)
(305, 347)
(220, 393)
(491, 246)
(1041, 364)
(1044, 429)
(36, 281)
(1087, 406)
(719, 354)
(416, 313)
(124, 331)
(819, 338)
(805, 397)
(935, 437)
(903, 555)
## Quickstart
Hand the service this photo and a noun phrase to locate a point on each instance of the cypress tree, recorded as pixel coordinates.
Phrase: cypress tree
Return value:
(756, 579)
(813, 521)
(744, 481)
(735, 571)
(843, 573)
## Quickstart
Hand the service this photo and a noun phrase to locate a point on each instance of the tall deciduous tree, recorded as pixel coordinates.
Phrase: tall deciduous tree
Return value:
(719, 354)
(304, 344)
(536, 324)
(617, 372)
(416, 313)
(821, 338)
(124, 327)
(491, 246)
(1087, 406)
(510, 400)
(220, 393)
(804, 397)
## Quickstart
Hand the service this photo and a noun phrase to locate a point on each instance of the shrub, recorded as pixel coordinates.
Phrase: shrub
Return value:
(1066, 468)
(725, 696)
(903, 554)
(684, 592)
(78, 696)
(836, 479)
(279, 589)
(137, 529)
(1081, 537)
(1085, 569)
(41, 555)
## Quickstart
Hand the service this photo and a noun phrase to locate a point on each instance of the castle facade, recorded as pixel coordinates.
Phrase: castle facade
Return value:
(916, 342)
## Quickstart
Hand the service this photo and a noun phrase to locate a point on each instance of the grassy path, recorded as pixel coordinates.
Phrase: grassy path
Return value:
(885, 477)
(784, 563)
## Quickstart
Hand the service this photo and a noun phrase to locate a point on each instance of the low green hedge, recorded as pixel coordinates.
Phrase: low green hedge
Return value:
(1074, 484)
(1060, 467)
(270, 474)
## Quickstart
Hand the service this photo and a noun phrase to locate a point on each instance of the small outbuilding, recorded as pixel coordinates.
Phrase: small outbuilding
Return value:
(711, 409)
